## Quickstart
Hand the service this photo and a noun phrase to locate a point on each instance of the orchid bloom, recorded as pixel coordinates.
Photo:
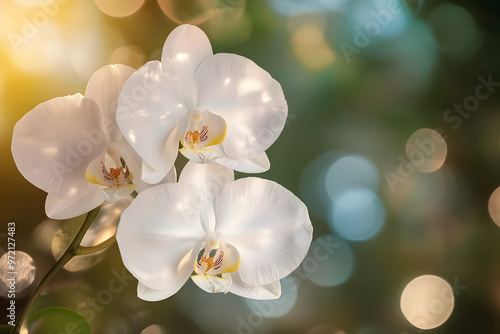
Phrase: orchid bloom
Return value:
(237, 236)
(222, 108)
(72, 148)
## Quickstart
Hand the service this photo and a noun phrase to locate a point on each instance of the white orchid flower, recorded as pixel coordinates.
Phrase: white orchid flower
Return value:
(237, 236)
(222, 108)
(72, 148)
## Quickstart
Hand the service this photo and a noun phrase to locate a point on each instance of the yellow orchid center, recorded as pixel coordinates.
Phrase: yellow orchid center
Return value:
(199, 132)
(111, 170)
(213, 265)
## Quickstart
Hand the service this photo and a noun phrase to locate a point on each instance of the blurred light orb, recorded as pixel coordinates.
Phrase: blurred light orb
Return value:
(426, 150)
(456, 31)
(83, 62)
(153, 329)
(189, 11)
(106, 222)
(130, 55)
(413, 56)
(277, 307)
(311, 48)
(312, 184)
(494, 206)
(349, 172)
(103, 228)
(301, 7)
(43, 53)
(372, 21)
(325, 329)
(60, 242)
(427, 301)
(119, 8)
(44, 231)
(329, 262)
(357, 214)
(23, 266)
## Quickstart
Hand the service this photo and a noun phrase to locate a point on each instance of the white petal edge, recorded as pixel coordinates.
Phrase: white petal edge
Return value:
(57, 208)
(53, 144)
(258, 292)
(258, 164)
(186, 47)
(157, 234)
(104, 87)
(141, 169)
(151, 295)
(149, 108)
(247, 97)
(268, 225)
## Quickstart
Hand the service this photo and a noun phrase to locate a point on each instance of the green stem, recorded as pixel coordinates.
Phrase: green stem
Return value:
(68, 255)
(82, 250)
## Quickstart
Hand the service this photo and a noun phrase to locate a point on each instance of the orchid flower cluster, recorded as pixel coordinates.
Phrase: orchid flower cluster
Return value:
(222, 112)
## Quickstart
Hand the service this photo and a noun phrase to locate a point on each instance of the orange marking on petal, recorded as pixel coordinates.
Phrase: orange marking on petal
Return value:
(115, 173)
(192, 137)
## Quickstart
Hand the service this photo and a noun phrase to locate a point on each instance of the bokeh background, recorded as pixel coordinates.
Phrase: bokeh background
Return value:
(392, 140)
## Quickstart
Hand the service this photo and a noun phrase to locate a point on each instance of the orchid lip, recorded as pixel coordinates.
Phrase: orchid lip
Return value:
(199, 132)
(111, 170)
(213, 266)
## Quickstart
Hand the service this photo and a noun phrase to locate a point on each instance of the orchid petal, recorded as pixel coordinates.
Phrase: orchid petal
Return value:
(103, 88)
(141, 185)
(185, 49)
(139, 168)
(268, 225)
(259, 292)
(247, 97)
(152, 295)
(53, 144)
(149, 107)
(209, 179)
(57, 208)
(158, 236)
(151, 176)
(257, 164)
